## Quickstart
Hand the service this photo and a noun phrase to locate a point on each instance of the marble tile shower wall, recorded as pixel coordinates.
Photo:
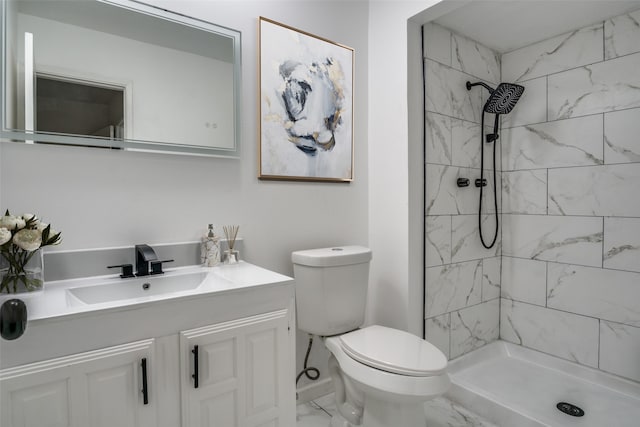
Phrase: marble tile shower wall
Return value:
(462, 277)
(571, 197)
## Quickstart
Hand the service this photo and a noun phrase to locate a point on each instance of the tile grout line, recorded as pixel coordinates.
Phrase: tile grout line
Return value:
(603, 237)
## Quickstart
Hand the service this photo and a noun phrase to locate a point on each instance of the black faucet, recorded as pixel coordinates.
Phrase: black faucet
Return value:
(144, 255)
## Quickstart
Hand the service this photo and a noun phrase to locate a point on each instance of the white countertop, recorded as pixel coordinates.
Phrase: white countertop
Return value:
(55, 300)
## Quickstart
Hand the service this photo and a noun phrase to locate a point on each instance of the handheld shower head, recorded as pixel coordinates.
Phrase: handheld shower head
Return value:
(501, 101)
(503, 98)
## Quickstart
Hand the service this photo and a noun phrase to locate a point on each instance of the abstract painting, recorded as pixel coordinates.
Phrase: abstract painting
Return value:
(306, 106)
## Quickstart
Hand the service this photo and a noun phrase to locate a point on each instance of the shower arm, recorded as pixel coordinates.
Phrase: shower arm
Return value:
(484, 85)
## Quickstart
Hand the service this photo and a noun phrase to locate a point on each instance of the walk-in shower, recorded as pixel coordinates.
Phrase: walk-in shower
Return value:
(501, 101)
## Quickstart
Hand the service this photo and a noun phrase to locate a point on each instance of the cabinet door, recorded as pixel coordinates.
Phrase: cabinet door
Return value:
(102, 388)
(242, 373)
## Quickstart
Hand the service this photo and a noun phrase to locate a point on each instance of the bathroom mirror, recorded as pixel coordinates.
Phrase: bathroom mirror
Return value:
(118, 74)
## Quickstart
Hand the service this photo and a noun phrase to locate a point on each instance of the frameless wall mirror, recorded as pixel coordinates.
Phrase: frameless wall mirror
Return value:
(119, 74)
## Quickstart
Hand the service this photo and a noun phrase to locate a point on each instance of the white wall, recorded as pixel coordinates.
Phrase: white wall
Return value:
(102, 198)
(395, 160)
(168, 100)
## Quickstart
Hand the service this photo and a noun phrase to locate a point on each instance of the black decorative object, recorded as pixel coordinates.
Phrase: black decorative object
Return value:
(13, 319)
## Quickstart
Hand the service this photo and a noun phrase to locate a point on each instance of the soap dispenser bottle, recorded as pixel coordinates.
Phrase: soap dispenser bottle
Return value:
(210, 248)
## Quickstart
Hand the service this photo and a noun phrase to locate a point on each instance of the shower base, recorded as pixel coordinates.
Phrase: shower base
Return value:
(515, 386)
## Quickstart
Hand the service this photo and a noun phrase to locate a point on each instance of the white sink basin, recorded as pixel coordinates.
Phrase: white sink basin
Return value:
(139, 288)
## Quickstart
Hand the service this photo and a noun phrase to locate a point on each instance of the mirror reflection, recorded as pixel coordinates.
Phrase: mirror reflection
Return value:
(118, 74)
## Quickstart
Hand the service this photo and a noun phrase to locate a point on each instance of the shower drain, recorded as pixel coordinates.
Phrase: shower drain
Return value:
(570, 409)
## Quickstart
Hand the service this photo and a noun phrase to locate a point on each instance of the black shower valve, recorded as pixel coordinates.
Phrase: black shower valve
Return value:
(481, 182)
(463, 182)
(491, 137)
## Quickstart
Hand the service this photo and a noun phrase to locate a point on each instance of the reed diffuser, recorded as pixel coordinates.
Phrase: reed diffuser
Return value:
(230, 233)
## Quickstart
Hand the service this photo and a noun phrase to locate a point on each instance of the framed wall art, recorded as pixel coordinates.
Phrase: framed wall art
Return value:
(306, 106)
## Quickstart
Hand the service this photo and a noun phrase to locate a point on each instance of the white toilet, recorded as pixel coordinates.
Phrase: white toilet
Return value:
(382, 376)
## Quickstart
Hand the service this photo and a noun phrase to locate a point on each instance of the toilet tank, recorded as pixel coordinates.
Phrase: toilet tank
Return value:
(331, 288)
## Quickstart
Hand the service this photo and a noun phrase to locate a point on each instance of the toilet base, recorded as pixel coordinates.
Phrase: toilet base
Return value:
(382, 413)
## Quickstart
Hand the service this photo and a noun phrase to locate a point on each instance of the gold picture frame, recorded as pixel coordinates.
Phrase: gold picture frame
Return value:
(306, 106)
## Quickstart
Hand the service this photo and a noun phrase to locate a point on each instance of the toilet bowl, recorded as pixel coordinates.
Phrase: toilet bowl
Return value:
(382, 376)
(387, 375)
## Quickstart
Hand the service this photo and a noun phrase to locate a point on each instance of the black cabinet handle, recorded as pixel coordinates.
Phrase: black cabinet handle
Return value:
(195, 366)
(145, 390)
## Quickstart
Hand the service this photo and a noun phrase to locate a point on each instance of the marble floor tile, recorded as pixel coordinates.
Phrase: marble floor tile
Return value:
(441, 412)
(311, 415)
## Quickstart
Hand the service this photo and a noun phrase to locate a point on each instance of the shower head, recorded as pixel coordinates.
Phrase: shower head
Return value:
(502, 99)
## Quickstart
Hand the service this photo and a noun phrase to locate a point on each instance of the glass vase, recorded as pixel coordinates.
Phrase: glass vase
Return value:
(21, 271)
(231, 256)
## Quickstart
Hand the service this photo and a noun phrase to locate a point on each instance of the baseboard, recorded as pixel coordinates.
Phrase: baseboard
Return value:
(314, 390)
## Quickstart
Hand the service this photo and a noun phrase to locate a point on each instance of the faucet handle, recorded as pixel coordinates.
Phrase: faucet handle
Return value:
(127, 270)
(156, 266)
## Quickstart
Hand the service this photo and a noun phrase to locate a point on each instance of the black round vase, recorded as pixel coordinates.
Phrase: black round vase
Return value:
(13, 319)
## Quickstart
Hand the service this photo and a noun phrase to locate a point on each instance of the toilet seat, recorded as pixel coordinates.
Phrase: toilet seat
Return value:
(392, 385)
(393, 351)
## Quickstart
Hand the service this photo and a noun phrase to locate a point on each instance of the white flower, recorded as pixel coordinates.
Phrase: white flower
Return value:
(5, 235)
(52, 233)
(21, 223)
(11, 222)
(28, 216)
(28, 240)
(41, 226)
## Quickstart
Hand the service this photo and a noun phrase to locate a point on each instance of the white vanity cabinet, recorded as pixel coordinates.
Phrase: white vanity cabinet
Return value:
(99, 388)
(236, 373)
(82, 365)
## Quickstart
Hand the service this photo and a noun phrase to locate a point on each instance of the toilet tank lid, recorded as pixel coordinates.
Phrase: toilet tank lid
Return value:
(332, 257)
